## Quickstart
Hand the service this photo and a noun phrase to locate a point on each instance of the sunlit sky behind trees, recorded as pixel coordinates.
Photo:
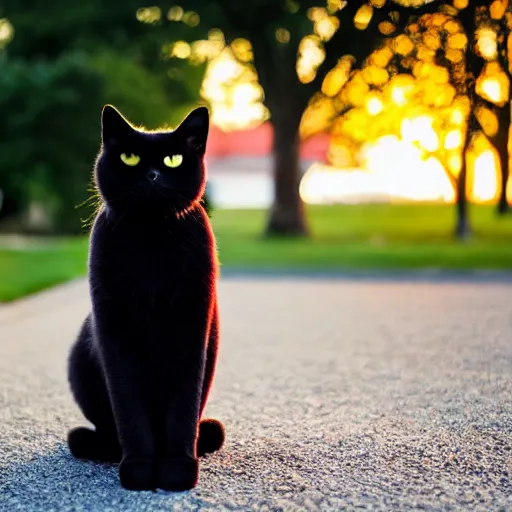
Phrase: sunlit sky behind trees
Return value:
(400, 116)
(398, 120)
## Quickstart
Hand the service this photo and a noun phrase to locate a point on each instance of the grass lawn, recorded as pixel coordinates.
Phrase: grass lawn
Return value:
(40, 265)
(404, 236)
(343, 238)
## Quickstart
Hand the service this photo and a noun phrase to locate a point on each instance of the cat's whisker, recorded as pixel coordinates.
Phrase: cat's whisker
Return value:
(118, 221)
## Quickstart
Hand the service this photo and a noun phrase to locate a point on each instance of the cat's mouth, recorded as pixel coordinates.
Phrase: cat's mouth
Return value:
(156, 191)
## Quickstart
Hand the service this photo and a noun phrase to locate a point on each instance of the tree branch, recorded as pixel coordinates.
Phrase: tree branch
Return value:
(349, 40)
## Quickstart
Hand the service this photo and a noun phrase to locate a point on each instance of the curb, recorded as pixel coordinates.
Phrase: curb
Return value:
(424, 275)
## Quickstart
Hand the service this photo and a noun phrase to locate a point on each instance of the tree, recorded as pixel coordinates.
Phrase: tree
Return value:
(464, 77)
(279, 34)
(464, 81)
(496, 21)
(473, 18)
(439, 47)
(425, 57)
(63, 68)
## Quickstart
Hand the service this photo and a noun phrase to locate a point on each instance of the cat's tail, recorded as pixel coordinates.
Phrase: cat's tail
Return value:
(211, 436)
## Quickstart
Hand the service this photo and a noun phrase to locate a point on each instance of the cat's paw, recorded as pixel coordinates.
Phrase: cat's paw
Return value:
(177, 474)
(85, 443)
(138, 474)
(211, 436)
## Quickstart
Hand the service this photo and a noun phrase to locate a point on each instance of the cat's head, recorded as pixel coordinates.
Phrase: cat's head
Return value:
(138, 168)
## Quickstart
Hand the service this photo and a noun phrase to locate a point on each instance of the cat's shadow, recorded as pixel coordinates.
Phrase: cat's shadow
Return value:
(58, 481)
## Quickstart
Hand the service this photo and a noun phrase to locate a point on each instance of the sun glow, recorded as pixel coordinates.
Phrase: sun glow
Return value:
(485, 181)
(491, 89)
(393, 169)
(493, 84)
(426, 182)
(398, 95)
(453, 140)
(374, 106)
(400, 141)
(233, 91)
(420, 130)
(487, 43)
(407, 174)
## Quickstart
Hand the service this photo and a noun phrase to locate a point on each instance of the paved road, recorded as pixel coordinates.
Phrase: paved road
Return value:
(336, 394)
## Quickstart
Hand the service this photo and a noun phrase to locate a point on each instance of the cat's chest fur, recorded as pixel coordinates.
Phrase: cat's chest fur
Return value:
(150, 258)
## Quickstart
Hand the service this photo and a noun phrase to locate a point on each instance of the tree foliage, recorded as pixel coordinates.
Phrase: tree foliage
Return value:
(450, 68)
(320, 64)
(292, 45)
(63, 64)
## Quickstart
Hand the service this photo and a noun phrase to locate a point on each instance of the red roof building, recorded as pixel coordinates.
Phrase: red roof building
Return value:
(257, 142)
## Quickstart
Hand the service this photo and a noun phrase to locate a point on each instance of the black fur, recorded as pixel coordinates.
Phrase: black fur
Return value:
(143, 363)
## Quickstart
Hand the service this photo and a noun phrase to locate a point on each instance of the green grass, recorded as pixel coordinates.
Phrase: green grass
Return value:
(369, 237)
(342, 238)
(40, 265)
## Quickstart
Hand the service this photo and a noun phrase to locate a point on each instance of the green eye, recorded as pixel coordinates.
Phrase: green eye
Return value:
(131, 159)
(173, 161)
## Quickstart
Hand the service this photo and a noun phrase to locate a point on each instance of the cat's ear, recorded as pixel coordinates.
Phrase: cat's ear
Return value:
(113, 124)
(194, 129)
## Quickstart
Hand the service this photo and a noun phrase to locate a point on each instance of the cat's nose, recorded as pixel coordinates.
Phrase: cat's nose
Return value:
(153, 174)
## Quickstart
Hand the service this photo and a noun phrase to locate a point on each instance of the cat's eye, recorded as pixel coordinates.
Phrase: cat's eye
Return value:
(173, 161)
(131, 159)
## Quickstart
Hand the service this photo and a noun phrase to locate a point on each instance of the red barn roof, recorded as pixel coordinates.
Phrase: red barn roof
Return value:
(257, 142)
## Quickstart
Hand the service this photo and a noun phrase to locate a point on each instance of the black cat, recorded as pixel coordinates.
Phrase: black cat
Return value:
(144, 360)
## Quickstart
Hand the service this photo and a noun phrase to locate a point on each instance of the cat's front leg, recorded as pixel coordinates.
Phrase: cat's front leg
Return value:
(128, 393)
(177, 464)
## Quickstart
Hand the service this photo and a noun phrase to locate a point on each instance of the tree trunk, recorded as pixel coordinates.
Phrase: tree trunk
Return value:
(286, 101)
(500, 142)
(502, 138)
(462, 228)
(287, 212)
(474, 65)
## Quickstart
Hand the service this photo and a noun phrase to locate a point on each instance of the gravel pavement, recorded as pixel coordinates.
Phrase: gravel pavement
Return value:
(337, 394)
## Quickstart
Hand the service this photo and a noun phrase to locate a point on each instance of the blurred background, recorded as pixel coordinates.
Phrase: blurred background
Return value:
(346, 135)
